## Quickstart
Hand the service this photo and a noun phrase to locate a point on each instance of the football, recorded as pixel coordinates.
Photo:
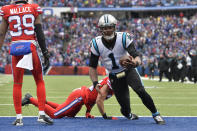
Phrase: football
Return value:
(125, 61)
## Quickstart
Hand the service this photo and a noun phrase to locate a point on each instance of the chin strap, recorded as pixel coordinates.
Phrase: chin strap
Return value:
(109, 37)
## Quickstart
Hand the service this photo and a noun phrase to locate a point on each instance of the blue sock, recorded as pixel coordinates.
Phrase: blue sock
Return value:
(155, 114)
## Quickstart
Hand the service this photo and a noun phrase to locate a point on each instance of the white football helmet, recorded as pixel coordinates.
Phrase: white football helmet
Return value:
(107, 24)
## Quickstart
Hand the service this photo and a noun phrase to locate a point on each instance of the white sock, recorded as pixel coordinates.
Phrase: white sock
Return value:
(41, 113)
(18, 116)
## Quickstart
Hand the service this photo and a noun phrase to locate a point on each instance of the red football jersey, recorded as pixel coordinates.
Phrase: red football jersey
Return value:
(21, 18)
(91, 93)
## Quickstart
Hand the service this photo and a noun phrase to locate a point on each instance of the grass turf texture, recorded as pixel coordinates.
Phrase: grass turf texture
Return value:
(171, 98)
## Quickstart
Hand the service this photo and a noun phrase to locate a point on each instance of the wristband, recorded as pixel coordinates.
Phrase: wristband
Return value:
(104, 116)
(95, 83)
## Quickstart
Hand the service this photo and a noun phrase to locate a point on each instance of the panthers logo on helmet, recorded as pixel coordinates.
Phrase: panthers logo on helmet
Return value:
(107, 20)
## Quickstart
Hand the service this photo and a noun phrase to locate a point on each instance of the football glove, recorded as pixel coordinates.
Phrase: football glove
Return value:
(46, 56)
(109, 117)
(88, 115)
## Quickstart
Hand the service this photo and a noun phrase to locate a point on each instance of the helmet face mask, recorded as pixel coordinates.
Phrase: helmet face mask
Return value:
(108, 32)
(107, 25)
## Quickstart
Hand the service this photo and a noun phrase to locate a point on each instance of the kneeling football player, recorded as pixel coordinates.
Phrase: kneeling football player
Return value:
(75, 101)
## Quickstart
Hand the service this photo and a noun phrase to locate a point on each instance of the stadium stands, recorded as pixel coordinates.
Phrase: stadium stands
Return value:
(153, 34)
(110, 3)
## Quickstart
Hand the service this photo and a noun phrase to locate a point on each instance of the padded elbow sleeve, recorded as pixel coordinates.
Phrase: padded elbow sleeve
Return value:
(93, 60)
(132, 51)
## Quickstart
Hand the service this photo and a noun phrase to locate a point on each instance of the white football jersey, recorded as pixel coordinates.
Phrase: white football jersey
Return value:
(110, 58)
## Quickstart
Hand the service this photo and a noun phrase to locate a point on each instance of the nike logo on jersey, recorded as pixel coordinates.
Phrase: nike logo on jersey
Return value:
(20, 10)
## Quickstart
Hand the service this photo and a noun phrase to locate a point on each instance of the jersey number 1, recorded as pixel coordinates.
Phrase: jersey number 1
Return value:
(114, 65)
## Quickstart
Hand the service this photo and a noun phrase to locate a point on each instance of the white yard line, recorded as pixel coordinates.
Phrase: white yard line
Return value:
(131, 104)
(166, 98)
(156, 104)
(165, 80)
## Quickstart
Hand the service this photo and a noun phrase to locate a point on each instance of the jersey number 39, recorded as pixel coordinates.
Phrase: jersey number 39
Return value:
(20, 22)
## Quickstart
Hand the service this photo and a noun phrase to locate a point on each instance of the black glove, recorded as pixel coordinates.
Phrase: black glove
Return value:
(46, 56)
(95, 83)
(109, 117)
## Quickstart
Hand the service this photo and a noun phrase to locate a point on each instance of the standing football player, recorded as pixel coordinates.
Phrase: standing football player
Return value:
(23, 20)
(111, 47)
(75, 101)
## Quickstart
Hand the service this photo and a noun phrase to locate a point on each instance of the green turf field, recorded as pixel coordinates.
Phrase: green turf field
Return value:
(171, 99)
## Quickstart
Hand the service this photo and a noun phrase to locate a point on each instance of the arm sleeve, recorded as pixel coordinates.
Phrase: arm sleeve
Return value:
(132, 51)
(93, 60)
(40, 37)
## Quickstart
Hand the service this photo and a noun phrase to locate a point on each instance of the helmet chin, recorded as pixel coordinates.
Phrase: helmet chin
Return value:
(109, 37)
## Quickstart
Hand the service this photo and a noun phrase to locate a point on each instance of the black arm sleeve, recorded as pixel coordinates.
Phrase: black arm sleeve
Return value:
(93, 60)
(132, 51)
(40, 37)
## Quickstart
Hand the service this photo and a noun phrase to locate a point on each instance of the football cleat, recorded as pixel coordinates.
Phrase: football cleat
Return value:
(26, 99)
(159, 120)
(18, 122)
(133, 117)
(44, 119)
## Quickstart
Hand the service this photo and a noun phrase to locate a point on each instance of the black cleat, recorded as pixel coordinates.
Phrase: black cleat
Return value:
(26, 99)
(159, 120)
(18, 122)
(133, 117)
(44, 119)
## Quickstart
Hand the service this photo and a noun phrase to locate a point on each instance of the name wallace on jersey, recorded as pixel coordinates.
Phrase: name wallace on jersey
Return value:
(20, 10)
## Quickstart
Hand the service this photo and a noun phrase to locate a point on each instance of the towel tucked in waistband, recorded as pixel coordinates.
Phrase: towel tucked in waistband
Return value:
(26, 62)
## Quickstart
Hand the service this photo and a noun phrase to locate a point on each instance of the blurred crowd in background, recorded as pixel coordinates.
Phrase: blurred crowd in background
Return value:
(109, 3)
(69, 41)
